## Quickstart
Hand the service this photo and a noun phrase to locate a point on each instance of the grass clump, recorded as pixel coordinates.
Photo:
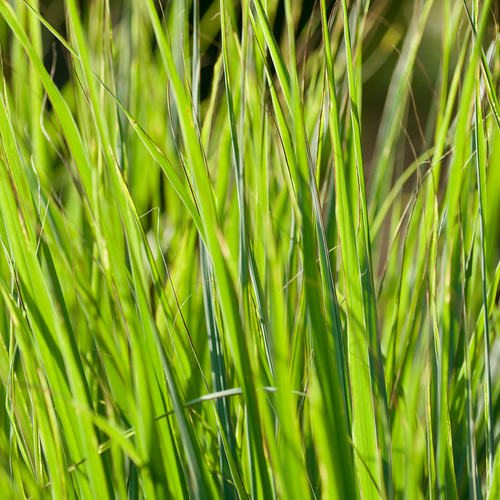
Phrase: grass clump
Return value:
(250, 249)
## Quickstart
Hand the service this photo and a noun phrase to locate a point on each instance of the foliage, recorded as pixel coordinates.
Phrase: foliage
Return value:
(216, 283)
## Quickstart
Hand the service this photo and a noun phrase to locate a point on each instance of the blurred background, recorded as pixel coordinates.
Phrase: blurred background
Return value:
(389, 21)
